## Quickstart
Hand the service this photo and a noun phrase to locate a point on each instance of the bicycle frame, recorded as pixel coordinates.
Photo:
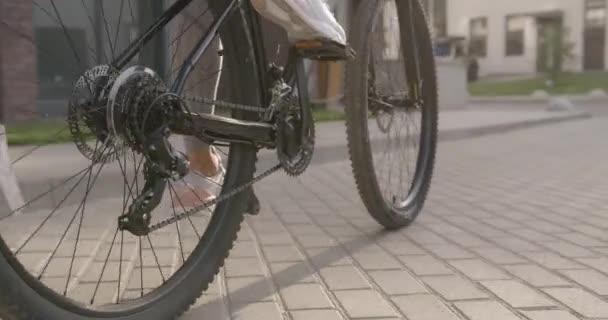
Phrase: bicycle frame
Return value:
(217, 128)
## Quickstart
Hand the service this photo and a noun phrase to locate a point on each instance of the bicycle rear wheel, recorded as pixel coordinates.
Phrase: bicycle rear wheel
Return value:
(393, 153)
(62, 255)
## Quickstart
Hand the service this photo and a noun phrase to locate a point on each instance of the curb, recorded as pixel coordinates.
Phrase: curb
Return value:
(329, 153)
(533, 99)
(460, 134)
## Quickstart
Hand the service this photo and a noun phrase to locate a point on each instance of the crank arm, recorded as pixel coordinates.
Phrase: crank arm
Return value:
(224, 129)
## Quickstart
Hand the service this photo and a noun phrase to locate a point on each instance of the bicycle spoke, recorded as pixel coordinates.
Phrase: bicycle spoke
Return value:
(65, 31)
(141, 268)
(126, 182)
(32, 150)
(182, 32)
(38, 197)
(122, 234)
(209, 77)
(137, 167)
(196, 195)
(160, 270)
(57, 19)
(77, 239)
(122, 5)
(184, 208)
(103, 16)
(50, 215)
(179, 236)
(76, 72)
(86, 9)
(103, 268)
(205, 177)
(71, 221)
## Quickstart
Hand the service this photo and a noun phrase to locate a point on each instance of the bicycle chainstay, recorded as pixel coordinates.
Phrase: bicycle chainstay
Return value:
(231, 106)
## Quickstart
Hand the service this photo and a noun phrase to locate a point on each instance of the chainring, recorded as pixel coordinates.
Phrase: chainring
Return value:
(295, 135)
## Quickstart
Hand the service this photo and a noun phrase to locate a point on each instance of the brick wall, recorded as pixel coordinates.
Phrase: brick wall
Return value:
(18, 70)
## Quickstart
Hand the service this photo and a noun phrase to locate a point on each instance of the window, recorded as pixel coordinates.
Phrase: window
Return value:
(595, 14)
(478, 45)
(515, 36)
(440, 17)
(437, 11)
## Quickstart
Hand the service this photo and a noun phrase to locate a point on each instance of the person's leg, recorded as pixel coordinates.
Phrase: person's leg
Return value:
(203, 82)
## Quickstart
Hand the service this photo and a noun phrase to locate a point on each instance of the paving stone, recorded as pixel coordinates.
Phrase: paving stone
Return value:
(404, 247)
(244, 249)
(334, 256)
(551, 260)
(477, 269)
(449, 251)
(589, 279)
(305, 296)
(243, 267)
(376, 261)
(580, 301)
(364, 303)
(600, 264)
(282, 254)
(498, 255)
(211, 306)
(425, 265)
(517, 245)
(258, 311)
(484, 310)
(550, 315)
(536, 275)
(581, 239)
(422, 236)
(248, 289)
(467, 240)
(569, 250)
(282, 238)
(343, 278)
(288, 273)
(517, 294)
(393, 282)
(316, 241)
(424, 307)
(316, 315)
(454, 288)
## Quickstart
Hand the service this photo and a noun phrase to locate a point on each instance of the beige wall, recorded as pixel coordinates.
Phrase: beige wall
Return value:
(461, 11)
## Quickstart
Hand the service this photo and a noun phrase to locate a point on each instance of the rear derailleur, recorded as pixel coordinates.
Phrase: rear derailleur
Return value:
(141, 113)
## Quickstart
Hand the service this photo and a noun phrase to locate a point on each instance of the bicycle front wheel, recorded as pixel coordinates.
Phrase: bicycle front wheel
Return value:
(391, 104)
(62, 254)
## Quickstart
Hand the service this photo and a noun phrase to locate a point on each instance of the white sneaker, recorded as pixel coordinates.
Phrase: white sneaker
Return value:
(303, 19)
(198, 189)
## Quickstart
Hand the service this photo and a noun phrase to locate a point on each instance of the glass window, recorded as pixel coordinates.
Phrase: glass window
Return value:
(595, 14)
(515, 36)
(440, 17)
(478, 45)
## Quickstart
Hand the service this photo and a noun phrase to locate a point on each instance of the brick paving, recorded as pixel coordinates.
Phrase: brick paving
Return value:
(515, 228)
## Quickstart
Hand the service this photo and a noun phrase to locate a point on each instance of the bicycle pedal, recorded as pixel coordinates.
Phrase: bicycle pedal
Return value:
(324, 50)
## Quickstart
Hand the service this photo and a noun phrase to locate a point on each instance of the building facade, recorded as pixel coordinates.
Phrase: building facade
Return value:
(517, 36)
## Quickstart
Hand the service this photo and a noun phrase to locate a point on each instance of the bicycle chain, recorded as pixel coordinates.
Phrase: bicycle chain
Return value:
(235, 191)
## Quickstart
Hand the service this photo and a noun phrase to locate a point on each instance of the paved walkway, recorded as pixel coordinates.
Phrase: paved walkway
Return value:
(515, 228)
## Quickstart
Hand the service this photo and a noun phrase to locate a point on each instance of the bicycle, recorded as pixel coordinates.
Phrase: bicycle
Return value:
(122, 116)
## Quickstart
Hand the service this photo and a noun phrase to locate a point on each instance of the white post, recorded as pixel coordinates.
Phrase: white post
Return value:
(8, 180)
